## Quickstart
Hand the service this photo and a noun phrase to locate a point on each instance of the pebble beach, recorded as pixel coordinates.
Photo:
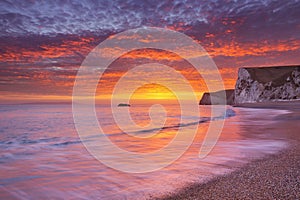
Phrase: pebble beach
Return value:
(274, 176)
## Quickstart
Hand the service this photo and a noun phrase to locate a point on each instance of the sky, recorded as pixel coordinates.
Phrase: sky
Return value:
(43, 43)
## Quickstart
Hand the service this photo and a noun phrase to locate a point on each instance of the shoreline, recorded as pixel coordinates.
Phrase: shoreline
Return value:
(275, 176)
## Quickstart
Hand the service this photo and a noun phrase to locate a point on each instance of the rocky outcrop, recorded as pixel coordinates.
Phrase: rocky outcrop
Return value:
(217, 98)
(123, 105)
(267, 84)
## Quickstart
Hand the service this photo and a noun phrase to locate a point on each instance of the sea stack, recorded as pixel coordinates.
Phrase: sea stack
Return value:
(264, 84)
(123, 105)
(217, 98)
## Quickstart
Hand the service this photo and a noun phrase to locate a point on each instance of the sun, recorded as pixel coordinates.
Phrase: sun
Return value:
(153, 91)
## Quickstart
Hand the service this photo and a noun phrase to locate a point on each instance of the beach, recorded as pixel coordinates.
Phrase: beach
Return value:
(42, 155)
(275, 176)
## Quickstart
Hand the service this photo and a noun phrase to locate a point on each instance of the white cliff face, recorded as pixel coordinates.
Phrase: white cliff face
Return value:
(267, 84)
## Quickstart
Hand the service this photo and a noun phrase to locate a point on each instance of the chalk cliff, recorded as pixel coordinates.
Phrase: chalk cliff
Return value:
(267, 84)
(218, 97)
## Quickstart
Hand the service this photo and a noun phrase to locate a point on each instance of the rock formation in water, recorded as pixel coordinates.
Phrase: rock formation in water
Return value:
(218, 98)
(267, 84)
(123, 105)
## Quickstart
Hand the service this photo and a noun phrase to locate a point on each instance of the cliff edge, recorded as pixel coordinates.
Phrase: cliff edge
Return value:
(218, 98)
(264, 84)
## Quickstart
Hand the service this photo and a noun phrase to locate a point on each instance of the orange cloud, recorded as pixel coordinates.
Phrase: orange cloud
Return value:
(60, 81)
(64, 49)
(153, 55)
(234, 49)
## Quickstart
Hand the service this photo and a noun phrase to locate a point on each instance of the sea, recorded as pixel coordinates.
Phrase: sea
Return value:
(43, 157)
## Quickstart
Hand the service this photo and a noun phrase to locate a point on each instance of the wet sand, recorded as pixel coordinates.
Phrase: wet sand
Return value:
(276, 176)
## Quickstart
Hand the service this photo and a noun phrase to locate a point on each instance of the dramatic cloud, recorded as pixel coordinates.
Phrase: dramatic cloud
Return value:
(42, 43)
(76, 17)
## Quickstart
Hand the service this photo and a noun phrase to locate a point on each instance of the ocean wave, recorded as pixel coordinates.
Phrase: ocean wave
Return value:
(228, 113)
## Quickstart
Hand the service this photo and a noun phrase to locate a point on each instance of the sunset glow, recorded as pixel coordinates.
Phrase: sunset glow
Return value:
(149, 99)
(153, 91)
(41, 61)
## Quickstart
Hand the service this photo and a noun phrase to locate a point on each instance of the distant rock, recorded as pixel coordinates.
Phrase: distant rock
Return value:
(217, 98)
(123, 105)
(267, 84)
